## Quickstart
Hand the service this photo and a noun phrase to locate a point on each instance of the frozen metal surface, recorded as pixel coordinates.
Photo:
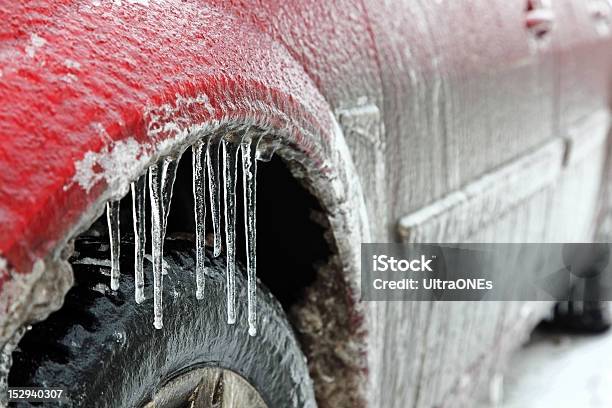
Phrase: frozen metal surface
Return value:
(546, 196)
(431, 97)
(464, 212)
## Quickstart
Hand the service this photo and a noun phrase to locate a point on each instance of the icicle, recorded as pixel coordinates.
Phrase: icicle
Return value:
(112, 216)
(161, 181)
(138, 216)
(212, 156)
(249, 180)
(230, 150)
(171, 164)
(169, 178)
(199, 198)
(157, 243)
(266, 148)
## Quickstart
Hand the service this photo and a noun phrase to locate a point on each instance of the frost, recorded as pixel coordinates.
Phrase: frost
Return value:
(92, 261)
(123, 161)
(6, 360)
(146, 3)
(36, 42)
(72, 64)
(29, 297)
(69, 78)
(101, 288)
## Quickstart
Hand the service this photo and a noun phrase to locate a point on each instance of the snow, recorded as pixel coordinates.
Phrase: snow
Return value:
(141, 2)
(123, 161)
(560, 370)
(91, 261)
(36, 42)
(69, 63)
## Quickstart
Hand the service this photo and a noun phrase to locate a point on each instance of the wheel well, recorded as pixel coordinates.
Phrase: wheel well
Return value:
(291, 234)
(291, 240)
(291, 228)
(296, 260)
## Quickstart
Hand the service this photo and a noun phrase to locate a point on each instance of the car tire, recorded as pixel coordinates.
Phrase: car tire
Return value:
(102, 348)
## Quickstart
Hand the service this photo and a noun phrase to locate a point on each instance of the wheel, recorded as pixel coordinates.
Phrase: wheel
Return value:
(103, 349)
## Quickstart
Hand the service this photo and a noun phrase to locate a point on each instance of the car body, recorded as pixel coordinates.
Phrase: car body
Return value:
(413, 121)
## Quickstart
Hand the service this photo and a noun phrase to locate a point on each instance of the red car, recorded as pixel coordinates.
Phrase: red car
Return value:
(381, 122)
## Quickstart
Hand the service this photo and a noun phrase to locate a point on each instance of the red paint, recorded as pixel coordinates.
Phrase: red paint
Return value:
(104, 66)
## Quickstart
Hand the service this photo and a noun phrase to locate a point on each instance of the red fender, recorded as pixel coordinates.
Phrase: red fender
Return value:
(79, 79)
(95, 91)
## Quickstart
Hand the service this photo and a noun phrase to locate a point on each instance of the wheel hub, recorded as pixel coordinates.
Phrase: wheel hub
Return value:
(208, 387)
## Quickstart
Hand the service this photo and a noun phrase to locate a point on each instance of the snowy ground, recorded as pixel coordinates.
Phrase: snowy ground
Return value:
(561, 371)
